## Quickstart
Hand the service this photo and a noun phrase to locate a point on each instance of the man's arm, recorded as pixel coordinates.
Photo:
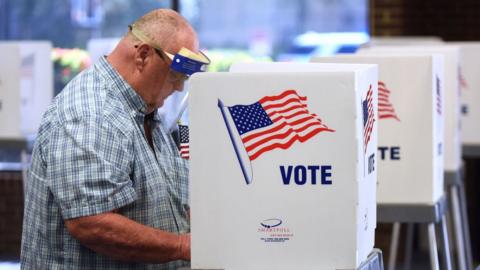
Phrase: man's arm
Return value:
(118, 237)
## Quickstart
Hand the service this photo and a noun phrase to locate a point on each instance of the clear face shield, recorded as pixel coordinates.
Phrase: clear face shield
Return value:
(183, 64)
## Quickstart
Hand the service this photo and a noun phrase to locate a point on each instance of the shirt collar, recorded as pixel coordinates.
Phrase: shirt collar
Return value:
(133, 99)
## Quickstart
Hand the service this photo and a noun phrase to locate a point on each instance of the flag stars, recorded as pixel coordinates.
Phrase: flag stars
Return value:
(249, 117)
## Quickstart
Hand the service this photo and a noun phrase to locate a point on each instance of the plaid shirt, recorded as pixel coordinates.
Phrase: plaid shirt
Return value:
(90, 157)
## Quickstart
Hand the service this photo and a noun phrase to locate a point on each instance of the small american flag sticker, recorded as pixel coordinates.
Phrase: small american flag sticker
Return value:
(184, 141)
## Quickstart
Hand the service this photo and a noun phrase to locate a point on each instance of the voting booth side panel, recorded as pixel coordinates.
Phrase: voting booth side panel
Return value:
(470, 92)
(438, 128)
(367, 100)
(452, 144)
(288, 207)
(406, 174)
(10, 91)
(36, 83)
(405, 158)
(452, 112)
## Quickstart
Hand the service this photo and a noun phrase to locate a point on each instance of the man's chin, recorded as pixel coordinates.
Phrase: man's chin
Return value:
(160, 104)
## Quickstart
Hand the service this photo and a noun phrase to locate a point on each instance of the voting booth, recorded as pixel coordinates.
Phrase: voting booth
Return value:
(452, 133)
(10, 91)
(31, 84)
(410, 151)
(470, 91)
(282, 166)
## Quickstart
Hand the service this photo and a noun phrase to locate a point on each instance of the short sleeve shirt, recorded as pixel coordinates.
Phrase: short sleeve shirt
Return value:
(91, 156)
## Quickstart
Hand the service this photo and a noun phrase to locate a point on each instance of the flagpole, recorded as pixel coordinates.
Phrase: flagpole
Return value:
(242, 164)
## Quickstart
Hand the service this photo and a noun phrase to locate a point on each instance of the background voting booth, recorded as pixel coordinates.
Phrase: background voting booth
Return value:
(9, 91)
(410, 145)
(281, 168)
(470, 98)
(470, 94)
(452, 142)
(410, 156)
(452, 133)
(26, 90)
(27, 86)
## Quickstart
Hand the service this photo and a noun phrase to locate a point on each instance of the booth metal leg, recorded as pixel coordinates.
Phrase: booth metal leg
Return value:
(394, 246)
(466, 228)
(408, 247)
(451, 228)
(458, 229)
(446, 247)
(432, 239)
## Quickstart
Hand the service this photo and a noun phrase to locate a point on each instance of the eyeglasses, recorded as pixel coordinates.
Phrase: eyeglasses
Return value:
(182, 64)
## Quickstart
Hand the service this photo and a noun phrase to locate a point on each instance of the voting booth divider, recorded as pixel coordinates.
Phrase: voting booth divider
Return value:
(282, 167)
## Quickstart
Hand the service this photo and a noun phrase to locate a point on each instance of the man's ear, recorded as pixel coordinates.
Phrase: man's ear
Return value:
(141, 56)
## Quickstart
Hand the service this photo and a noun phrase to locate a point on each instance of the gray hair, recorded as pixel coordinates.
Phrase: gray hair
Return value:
(165, 27)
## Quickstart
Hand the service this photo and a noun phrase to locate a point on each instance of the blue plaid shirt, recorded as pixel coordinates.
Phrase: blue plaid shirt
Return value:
(90, 157)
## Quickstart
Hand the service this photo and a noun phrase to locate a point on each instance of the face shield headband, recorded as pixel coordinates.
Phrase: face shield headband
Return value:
(185, 61)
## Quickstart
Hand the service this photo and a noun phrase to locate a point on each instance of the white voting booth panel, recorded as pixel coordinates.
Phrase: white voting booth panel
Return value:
(279, 197)
(9, 91)
(404, 40)
(470, 91)
(35, 84)
(452, 132)
(370, 200)
(98, 47)
(410, 128)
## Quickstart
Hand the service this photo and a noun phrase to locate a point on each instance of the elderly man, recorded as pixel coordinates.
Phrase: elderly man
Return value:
(107, 188)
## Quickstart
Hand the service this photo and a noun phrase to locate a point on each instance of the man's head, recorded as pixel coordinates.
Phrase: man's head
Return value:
(142, 56)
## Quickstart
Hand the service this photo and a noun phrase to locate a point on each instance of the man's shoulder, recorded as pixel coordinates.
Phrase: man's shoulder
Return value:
(89, 97)
(84, 96)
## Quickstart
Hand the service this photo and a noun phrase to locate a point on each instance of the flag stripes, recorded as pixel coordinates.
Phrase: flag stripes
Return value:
(370, 119)
(184, 141)
(385, 107)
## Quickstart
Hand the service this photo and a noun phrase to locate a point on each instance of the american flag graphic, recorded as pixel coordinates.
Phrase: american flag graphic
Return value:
(184, 141)
(275, 122)
(368, 118)
(385, 107)
(439, 97)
